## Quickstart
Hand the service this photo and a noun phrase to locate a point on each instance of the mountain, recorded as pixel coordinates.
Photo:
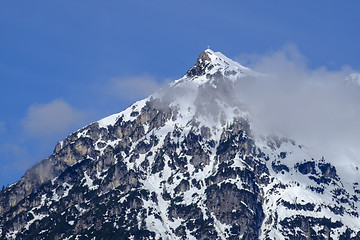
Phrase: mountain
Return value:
(187, 162)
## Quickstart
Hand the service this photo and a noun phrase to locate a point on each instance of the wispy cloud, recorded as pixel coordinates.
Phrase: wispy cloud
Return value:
(43, 120)
(2, 127)
(131, 88)
(18, 153)
(321, 107)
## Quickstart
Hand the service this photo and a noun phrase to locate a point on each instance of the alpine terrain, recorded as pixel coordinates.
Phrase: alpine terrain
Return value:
(185, 163)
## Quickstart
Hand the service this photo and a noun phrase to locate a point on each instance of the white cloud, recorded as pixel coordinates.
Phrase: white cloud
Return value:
(51, 118)
(353, 78)
(131, 88)
(317, 106)
(2, 127)
(19, 155)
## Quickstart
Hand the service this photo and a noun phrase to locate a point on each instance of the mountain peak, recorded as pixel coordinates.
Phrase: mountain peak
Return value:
(201, 64)
(205, 55)
(210, 64)
(186, 153)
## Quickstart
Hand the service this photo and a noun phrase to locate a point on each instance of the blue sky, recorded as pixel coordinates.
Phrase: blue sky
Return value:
(64, 64)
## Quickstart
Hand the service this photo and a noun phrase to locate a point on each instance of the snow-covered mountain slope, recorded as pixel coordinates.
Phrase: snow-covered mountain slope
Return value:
(184, 163)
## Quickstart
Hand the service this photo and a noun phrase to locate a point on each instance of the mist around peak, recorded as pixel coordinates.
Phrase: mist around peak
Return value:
(282, 95)
(318, 107)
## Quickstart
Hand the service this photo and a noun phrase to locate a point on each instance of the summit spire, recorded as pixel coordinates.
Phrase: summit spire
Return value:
(212, 63)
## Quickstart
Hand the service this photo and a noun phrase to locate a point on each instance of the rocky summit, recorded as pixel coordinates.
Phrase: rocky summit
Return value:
(185, 163)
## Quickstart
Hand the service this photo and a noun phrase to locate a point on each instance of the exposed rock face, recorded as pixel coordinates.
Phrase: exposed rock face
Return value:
(165, 169)
(201, 65)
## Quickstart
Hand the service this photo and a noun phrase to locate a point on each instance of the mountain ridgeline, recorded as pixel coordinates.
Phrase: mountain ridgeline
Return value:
(184, 163)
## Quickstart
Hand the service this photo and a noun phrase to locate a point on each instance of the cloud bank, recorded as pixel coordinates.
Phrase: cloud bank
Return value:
(56, 117)
(319, 107)
(131, 88)
(2, 127)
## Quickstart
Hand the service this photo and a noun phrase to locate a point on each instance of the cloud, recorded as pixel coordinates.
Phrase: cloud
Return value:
(15, 159)
(353, 78)
(131, 88)
(317, 106)
(2, 127)
(49, 119)
(43, 125)
(17, 152)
